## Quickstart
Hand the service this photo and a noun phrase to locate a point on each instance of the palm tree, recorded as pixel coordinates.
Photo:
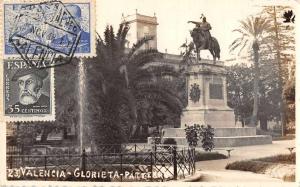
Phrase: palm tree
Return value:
(121, 82)
(253, 33)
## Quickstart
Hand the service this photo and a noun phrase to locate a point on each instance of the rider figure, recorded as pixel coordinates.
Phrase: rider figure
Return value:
(205, 27)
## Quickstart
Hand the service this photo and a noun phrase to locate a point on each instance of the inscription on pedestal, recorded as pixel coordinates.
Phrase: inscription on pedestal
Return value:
(215, 91)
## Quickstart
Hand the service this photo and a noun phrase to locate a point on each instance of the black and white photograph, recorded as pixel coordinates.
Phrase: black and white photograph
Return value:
(176, 91)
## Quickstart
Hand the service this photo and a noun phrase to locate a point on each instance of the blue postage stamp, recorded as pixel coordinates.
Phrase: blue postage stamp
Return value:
(28, 92)
(42, 33)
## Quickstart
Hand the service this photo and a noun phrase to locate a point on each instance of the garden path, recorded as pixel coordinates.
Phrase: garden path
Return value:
(214, 170)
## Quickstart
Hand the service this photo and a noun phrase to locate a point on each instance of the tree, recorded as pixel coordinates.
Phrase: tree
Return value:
(123, 84)
(289, 93)
(240, 92)
(253, 32)
(269, 100)
(282, 39)
(66, 102)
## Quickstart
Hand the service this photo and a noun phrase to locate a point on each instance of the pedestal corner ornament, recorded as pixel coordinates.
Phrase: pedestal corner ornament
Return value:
(195, 93)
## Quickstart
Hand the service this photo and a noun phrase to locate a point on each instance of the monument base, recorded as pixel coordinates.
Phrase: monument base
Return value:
(224, 136)
(214, 117)
(207, 105)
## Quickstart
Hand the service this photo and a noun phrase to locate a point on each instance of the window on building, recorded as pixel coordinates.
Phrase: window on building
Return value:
(147, 44)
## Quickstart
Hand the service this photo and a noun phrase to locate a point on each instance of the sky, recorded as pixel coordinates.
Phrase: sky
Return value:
(173, 15)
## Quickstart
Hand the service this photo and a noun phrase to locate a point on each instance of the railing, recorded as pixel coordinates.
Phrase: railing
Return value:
(160, 163)
(102, 148)
(14, 149)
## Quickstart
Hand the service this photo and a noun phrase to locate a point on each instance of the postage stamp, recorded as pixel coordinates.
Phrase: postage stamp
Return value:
(28, 92)
(49, 33)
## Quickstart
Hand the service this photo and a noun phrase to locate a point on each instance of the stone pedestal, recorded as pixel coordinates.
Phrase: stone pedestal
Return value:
(215, 118)
(207, 96)
(224, 137)
(207, 105)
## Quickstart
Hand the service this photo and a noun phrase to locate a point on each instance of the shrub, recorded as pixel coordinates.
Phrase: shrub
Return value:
(282, 159)
(262, 165)
(205, 134)
(192, 134)
(253, 166)
(202, 156)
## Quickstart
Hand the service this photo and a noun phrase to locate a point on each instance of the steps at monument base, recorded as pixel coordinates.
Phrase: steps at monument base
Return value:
(242, 140)
(219, 132)
(233, 141)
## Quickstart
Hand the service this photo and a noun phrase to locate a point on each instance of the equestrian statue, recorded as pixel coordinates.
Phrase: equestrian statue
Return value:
(203, 40)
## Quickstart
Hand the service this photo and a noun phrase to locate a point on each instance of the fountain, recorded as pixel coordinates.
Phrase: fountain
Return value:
(81, 100)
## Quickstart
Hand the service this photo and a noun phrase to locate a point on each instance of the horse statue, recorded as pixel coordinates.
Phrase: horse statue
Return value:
(203, 43)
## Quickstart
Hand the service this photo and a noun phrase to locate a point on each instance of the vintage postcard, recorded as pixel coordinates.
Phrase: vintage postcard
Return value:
(111, 92)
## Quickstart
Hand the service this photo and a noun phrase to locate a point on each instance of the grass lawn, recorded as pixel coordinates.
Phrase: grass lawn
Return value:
(262, 165)
(281, 159)
(202, 156)
(278, 138)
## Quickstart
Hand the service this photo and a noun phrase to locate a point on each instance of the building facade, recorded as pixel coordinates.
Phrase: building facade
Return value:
(141, 26)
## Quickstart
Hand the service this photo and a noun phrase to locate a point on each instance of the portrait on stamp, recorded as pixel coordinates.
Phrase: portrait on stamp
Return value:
(26, 89)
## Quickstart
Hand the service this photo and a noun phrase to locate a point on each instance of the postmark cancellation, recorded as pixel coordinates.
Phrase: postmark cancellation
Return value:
(44, 32)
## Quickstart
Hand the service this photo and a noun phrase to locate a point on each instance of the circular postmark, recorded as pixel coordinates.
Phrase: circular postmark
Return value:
(46, 34)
